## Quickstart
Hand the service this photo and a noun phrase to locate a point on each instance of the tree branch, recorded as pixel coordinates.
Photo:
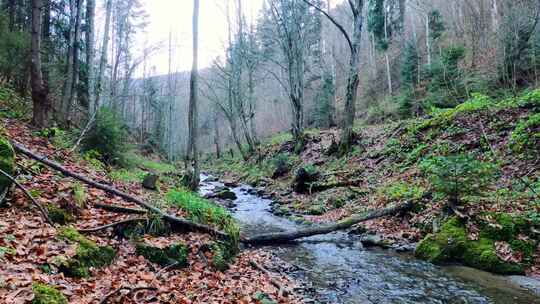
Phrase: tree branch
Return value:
(42, 210)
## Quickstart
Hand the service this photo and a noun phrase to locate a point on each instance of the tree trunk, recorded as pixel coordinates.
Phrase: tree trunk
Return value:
(216, 136)
(192, 151)
(76, 65)
(90, 14)
(41, 103)
(12, 9)
(68, 84)
(353, 79)
(428, 41)
(103, 59)
(282, 237)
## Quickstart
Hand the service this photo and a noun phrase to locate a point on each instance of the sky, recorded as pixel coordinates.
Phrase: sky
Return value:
(175, 16)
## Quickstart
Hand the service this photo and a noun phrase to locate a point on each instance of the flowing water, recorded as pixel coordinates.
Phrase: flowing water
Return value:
(340, 270)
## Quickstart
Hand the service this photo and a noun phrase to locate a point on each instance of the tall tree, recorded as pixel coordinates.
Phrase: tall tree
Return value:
(42, 106)
(90, 52)
(354, 43)
(103, 59)
(192, 151)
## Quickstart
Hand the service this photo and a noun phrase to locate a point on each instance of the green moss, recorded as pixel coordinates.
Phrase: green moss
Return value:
(175, 254)
(506, 228)
(317, 210)
(481, 254)
(59, 215)
(88, 254)
(7, 161)
(526, 247)
(45, 294)
(451, 245)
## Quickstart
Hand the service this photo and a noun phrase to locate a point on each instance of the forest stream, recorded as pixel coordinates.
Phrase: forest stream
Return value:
(336, 268)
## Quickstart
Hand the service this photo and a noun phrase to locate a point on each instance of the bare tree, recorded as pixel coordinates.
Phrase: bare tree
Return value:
(41, 103)
(192, 152)
(103, 59)
(90, 54)
(354, 44)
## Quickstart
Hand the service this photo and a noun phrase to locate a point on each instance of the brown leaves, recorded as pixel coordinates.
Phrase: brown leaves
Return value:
(36, 245)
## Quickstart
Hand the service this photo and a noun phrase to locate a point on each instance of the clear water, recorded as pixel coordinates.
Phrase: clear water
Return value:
(340, 270)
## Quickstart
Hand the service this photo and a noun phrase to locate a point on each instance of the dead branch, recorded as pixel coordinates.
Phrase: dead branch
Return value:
(287, 236)
(174, 220)
(131, 291)
(42, 210)
(128, 221)
(119, 209)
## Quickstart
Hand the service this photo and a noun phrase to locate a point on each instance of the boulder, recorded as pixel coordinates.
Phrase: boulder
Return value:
(226, 194)
(150, 182)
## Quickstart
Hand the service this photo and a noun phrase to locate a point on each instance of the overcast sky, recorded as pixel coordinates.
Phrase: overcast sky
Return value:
(175, 16)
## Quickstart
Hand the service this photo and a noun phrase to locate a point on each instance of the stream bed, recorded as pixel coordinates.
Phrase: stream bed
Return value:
(336, 268)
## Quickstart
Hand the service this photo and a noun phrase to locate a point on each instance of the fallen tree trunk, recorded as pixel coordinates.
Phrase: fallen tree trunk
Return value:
(281, 237)
(174, 220)
(119, 209)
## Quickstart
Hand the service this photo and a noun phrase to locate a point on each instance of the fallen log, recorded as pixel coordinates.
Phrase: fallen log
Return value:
(174, 220)
(287, 236)
(119, 209)
(124, 222)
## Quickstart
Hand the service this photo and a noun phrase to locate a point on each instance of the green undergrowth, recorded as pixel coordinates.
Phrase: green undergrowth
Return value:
(175, 254)
(88, 254)
(46, 294)
(451, 244)
(204, 211)
(13, 105)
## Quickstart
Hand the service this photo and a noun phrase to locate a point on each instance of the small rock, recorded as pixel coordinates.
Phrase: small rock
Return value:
(211, 179)
(150, 181)
(374, 240)
(226, 195)
(230, 183)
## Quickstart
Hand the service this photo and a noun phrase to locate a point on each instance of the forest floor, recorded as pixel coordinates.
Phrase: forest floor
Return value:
(33, 252)
(387, 166)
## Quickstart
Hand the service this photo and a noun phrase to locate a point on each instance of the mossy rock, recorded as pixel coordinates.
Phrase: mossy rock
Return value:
(59, 215)
(174, 254)
(45, 294)
(88, 254)
(317, 210)
(7, 162)
(507, 227)
(451, 245)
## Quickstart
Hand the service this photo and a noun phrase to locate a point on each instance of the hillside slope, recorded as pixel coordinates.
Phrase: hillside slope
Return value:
(58, 265)
(472, 173)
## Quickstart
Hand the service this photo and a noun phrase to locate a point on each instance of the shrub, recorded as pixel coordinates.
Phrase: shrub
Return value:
(457, 175)
(108, 137)
(526, 135)
(281, 164)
